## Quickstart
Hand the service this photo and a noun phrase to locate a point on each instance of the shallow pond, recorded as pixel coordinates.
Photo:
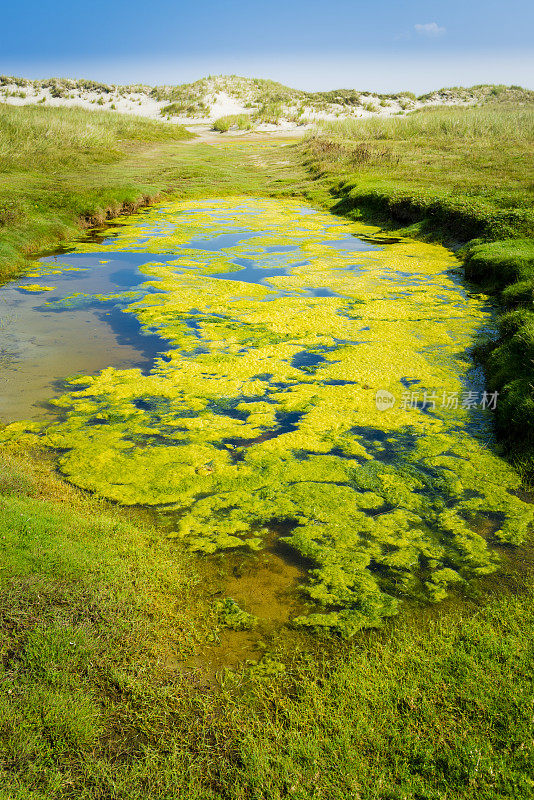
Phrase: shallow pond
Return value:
(278, 381)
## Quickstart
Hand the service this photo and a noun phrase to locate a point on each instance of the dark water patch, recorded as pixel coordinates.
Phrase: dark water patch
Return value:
(339, 383)
(157, 404)
(194, 326)
(386, 446)
(224, 240)
(227, 408)
(168, 439)
(306, 360)
(250, 272)
(129, 332)
(287, 421)
(309, 360)
(281, 248)
(350, 244)
(321, 291)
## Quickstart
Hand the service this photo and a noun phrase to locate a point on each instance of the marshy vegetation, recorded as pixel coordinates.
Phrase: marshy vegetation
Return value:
(241, 122)
(259, 414)
(66, 168)
(447, 173)
(97, 609)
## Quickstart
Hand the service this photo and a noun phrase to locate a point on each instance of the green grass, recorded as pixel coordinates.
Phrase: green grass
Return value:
(97, 610)
(242, 122)
(51, 163)
(269, 113)
(63, 169)
(440, 124)
(465, 176)
(49, 138)
(443, 165)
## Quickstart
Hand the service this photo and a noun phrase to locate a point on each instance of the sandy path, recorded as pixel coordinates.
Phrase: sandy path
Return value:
(205, 135)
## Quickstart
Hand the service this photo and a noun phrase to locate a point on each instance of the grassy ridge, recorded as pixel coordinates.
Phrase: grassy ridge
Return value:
(447, 167)
(465, 175)
(440, 124)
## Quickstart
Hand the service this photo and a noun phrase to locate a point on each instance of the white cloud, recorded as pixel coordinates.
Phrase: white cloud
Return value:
(431, 29)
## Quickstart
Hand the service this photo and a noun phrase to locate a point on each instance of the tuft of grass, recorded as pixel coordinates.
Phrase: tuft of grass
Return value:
(242, 122)
(189, 108)
(270, 113)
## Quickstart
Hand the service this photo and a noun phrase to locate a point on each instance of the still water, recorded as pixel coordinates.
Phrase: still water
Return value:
(274, 381)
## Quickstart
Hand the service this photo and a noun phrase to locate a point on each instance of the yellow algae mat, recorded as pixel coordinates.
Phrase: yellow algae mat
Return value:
(316, 384)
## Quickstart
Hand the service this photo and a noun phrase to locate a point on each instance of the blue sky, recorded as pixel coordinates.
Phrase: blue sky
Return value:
(311, 44)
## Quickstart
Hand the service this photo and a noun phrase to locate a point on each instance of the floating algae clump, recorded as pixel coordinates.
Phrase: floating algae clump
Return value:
(231, 616)
(35, 287)
(263, 416)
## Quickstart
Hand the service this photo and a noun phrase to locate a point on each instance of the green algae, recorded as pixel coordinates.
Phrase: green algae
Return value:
(35, 287)
(261, 418)
(231, 616)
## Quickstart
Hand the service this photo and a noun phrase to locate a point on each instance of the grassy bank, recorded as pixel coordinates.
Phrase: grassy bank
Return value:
(96, 612)
(444, 169)
(65, 169)
(51, 161)
(463, 176)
